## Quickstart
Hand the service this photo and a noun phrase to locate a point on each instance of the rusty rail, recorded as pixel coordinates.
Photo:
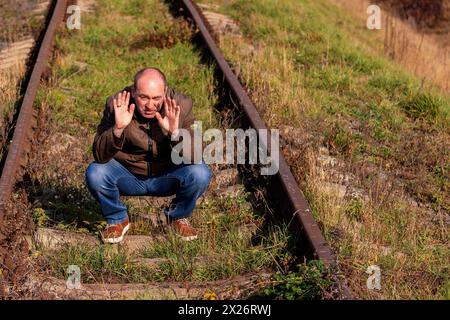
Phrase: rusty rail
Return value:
(24, 119)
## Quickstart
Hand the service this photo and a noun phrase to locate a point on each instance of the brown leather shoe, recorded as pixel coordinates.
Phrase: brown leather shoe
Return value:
(183, 229)
(114, 233)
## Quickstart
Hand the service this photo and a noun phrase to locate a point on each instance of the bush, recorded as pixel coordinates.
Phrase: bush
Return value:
(310, 282)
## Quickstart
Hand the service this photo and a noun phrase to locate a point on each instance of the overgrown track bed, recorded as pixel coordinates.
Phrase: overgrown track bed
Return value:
(250, 244)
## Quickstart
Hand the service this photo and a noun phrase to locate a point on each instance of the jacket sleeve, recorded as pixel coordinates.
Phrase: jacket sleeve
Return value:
(106, 144)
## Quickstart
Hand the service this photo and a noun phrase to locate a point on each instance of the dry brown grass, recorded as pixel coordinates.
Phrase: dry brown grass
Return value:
(9, 87)
(426, 55)
(389, 234)
(9, 80)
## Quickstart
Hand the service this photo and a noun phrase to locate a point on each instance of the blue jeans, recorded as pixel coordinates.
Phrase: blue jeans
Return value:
(107, 181)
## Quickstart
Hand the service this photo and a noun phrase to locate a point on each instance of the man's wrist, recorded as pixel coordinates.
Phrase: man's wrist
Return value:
(117, 132)
(170, 133)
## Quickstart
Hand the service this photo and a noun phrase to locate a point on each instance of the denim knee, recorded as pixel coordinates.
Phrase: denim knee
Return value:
(201, 175)
(95, 175)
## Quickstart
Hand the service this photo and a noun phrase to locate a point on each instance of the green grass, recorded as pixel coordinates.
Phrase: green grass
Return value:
(423, 105)
(101, 264)
(223, 254)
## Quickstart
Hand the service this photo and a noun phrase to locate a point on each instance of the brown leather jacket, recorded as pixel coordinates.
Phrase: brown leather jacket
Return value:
(143, 148)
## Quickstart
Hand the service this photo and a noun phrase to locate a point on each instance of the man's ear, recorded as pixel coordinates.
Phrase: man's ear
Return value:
(133, 92)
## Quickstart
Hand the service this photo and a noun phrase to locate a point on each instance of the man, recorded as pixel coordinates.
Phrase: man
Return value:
(132, 151)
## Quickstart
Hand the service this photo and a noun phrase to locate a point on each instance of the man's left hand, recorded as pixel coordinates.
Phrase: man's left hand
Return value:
(171, 118)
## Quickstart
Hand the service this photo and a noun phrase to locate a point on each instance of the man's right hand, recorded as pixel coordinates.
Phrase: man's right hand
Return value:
(122, 115)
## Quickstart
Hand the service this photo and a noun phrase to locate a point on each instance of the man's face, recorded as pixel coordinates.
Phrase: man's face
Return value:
(149, 96)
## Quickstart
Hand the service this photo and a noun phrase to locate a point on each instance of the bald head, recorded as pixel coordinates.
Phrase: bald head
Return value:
(149, 90)
(149, 74)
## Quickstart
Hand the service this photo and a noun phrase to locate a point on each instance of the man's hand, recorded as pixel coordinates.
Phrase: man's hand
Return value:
(172, 116)
(122, 115)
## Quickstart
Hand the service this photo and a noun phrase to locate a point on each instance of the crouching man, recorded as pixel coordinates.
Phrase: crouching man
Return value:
(132, 151)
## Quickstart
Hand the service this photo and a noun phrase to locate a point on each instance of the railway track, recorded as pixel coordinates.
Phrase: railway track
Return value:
(285, 197)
